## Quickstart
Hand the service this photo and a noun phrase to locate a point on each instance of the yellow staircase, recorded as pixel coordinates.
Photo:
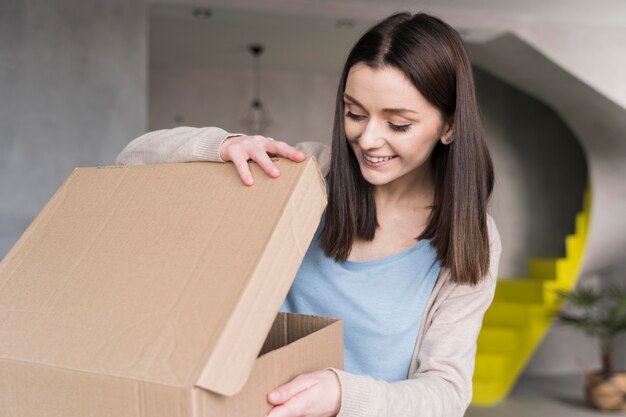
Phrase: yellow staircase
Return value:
(519, 316)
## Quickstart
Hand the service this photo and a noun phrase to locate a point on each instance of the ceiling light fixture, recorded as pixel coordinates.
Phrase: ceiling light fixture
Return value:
(257, 118)
(202, 13)
(344, 23)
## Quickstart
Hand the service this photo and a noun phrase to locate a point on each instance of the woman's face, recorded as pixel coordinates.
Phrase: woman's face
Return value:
(390, 126)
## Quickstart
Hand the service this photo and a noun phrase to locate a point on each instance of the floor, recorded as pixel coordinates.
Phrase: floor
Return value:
(560, 396)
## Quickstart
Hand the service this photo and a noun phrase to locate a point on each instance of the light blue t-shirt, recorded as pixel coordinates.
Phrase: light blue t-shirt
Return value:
(380, 301)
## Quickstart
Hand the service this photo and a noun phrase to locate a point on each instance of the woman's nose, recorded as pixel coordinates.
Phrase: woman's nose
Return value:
(372, 136)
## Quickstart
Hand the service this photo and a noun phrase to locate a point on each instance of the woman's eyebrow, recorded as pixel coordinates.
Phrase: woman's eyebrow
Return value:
(393, 111)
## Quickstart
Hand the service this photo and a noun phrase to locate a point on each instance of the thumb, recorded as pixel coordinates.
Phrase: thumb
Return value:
(285, 392)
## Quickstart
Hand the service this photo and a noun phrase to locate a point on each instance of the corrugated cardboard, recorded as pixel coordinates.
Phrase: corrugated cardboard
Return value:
(153, 290)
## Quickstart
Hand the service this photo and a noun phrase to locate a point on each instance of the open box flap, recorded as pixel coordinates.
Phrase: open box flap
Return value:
(169, 273)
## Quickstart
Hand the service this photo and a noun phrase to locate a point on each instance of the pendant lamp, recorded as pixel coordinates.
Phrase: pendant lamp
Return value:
(257, 119)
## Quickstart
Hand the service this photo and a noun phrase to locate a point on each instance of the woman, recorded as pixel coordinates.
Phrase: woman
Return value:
(405, 252)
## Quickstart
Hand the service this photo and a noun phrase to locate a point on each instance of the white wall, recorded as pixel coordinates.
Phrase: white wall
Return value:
(72, 91)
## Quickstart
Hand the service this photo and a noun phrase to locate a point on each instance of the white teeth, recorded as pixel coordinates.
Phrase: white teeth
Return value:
(377, 159)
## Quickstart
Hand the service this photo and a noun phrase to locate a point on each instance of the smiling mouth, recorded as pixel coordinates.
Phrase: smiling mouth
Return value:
(377, 159)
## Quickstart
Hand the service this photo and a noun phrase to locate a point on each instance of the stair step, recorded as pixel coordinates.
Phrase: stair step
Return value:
(566, 270)
(514, 314)
(491, 365)
(520, 290)
(563, 270)
(521, 313)
(542, 268)
(582, 223)
(574, 246)
(499, 339)
(489, 391)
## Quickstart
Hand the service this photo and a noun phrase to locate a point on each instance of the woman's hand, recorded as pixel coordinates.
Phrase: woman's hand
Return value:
(239, 149)
(316, 394)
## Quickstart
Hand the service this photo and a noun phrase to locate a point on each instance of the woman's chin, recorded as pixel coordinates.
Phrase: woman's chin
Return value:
(376, 178)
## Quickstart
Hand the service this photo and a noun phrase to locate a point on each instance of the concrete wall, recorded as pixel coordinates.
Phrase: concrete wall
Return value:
(540, 166)
(72, 91)
(301, 104)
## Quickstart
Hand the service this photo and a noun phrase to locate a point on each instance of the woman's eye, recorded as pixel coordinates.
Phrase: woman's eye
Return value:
(354, 116)
(395, 128)
(399, 128)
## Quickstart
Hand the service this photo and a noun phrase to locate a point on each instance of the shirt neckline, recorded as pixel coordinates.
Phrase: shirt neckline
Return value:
(386, 259)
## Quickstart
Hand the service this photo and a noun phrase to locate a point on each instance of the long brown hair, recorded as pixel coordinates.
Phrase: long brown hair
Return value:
(432, 56)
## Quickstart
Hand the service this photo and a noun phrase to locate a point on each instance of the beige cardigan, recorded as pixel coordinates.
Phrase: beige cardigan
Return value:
(439, 381)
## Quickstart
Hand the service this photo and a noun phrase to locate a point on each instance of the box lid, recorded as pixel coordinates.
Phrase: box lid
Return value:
(169, 273)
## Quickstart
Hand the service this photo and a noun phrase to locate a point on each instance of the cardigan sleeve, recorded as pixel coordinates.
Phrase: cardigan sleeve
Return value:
(181, 144)
(442, 384)
(188, 144)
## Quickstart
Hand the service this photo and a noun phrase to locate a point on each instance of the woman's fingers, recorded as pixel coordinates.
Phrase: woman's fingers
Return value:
(262, 158)
(240, 160)
(239, 149)
(280, 148)
(298, 405)
(286, 391)
(312, 394)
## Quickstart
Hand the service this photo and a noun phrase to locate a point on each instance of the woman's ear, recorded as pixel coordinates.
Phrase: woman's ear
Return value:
(447, 133)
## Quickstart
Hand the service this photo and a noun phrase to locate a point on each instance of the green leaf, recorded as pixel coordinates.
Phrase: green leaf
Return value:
(584, 297)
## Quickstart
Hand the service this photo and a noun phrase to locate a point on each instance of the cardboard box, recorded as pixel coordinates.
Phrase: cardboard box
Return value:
(153, 291)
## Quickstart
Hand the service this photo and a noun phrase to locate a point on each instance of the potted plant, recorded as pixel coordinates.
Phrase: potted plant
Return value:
(601, 315)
